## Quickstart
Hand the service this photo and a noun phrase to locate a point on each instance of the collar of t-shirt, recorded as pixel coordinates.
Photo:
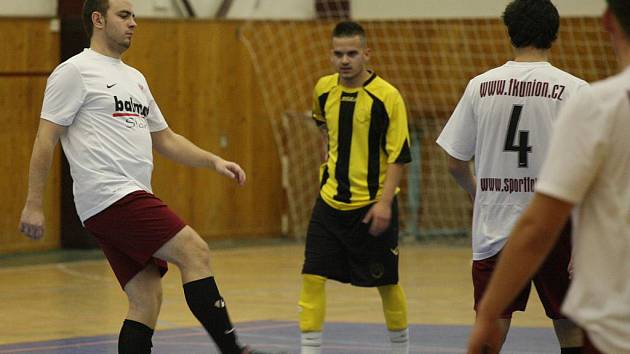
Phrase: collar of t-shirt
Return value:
(527, 64)
(100, 57)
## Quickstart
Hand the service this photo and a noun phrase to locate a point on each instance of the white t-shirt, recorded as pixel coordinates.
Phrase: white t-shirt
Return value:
(504, 121)
(109, 112)
(589, 165)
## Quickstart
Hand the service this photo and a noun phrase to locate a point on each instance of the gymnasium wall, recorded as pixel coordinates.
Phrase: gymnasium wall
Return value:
(203, 81)
(304, 9)
(29, 53)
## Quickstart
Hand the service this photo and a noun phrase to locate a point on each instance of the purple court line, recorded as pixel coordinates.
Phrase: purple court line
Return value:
(75, 345)
(181, 335)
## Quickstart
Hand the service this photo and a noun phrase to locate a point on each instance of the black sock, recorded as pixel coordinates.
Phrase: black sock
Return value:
(207, 305)
(134, 338)
(571, 350)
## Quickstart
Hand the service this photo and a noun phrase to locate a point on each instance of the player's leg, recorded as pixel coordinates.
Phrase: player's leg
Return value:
(144, 292)
(382, 255)
(324, 258)
(552, 283)
(569, 336)
(128, 236)
(190, 253)
(481, 273)
(312, 305)
(395, 311)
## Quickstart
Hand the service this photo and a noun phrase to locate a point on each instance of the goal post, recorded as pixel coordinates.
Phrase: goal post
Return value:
(430, 61)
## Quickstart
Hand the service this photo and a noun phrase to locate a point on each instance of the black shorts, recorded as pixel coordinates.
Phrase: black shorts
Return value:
(339, 247)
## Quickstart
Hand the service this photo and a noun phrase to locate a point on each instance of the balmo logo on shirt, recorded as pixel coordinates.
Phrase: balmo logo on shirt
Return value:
(134, 113)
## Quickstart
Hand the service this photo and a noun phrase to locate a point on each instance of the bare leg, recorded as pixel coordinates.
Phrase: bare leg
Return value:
(144, 292)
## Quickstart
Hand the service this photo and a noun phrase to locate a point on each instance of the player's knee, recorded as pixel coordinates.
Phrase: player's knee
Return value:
(191, 250)
(199, 251)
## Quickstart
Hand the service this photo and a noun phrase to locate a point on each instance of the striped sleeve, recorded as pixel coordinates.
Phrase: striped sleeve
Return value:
(319, 101)
(398, 141)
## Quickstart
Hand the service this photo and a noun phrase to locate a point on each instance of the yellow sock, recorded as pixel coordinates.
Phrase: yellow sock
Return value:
(312, 303)
(394, 306)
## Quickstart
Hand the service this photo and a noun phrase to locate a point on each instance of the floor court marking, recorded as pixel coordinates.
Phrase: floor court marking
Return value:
(338, 338)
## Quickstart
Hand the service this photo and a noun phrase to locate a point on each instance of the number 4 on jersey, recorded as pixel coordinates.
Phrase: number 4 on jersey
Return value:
(523, 137)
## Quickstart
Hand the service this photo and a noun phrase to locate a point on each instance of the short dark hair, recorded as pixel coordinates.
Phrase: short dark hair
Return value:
(621, 10)
(349, 29)
(89, 6)
(532, 23)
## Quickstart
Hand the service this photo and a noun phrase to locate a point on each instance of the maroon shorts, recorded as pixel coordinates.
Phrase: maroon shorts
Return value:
(131, 230)
(551, 280)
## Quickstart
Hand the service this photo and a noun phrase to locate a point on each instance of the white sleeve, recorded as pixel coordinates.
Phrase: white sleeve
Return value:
(577, 149)
(155, 118)
(459, 136)
(64, 95)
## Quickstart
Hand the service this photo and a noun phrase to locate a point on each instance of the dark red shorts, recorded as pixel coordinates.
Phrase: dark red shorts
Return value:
(131, 230)
(551, 280)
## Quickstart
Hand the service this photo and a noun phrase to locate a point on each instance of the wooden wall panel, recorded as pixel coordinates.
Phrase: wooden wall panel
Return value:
(20, 105)
(203, 80)
(30, 52)
(28, 46)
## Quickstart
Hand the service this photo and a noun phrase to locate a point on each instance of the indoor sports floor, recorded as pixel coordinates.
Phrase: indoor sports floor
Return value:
(69, 302)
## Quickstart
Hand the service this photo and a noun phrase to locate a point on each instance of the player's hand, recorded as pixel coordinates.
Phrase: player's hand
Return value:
(380, 214)
(232, 170)
(32, 222)
(485, 337)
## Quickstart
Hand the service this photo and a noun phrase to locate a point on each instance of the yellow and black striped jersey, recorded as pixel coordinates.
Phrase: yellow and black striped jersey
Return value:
(367, 130)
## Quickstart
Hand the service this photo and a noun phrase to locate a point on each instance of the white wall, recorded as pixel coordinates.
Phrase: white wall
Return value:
(304, 9)
(30, 8)
(409, 9)
(276, 9)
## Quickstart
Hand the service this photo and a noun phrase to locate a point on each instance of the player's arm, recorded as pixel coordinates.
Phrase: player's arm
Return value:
(320, 121)
(531, 240)
(381, 212)
(323, 128)
(182, 150)
(32, 218)
(460, 170)
(459, 139)
(398, 154)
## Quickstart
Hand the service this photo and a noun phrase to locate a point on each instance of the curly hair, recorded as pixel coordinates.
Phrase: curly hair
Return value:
(532, 23)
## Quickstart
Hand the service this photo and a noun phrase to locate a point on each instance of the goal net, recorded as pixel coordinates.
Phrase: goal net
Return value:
(430, 62)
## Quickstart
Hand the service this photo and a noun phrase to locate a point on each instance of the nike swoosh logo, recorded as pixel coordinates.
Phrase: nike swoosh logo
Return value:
(110, 86)
(229, 330)
(394, 251)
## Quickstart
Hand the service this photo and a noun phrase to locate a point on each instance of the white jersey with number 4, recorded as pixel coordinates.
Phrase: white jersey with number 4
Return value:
(504, 121)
